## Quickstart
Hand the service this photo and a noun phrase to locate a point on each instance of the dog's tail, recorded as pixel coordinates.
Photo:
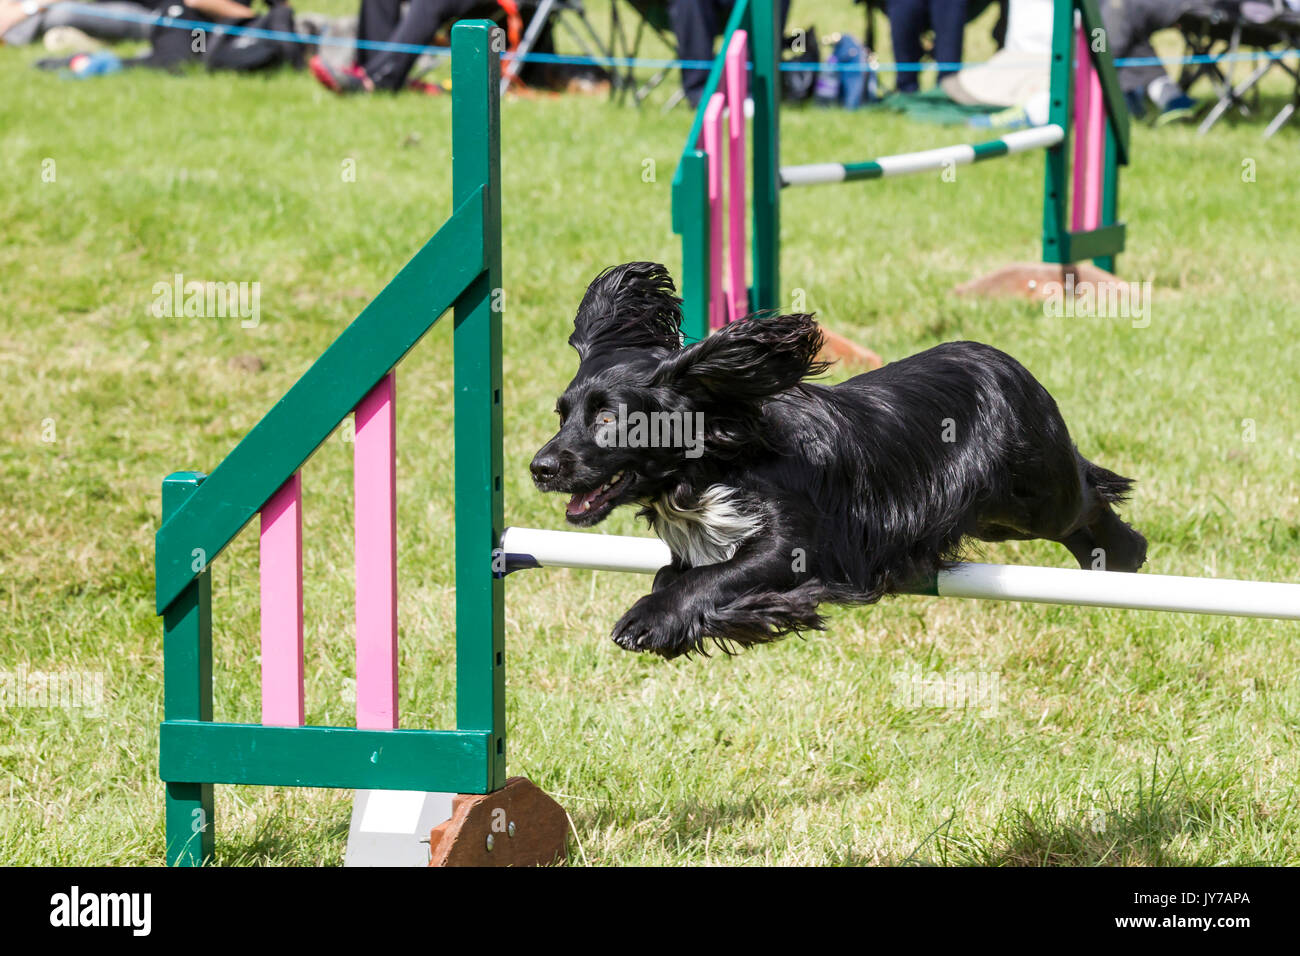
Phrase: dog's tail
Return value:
(1109, 486)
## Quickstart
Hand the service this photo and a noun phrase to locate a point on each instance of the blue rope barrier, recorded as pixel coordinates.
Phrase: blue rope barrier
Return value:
(224, 29)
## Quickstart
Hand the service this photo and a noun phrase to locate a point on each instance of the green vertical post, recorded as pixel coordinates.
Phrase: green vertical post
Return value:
(187, 688)
(480, 607)
(1109, 193)
(765, 87)
(690, 199)
(1056, 181)
(691, 222)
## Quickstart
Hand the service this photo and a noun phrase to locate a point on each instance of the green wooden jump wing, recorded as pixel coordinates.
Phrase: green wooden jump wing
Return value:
(460, 269)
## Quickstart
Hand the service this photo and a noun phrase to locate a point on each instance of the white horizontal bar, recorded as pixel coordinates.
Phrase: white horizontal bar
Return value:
(905, 163)
(813, 174)
(998, 582)
(592, 552)
(1036, 137)
(1141, 592)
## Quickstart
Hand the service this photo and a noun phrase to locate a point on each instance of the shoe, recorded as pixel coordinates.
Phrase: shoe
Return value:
(426, 87)
(99, 63)
(351, 79)
(1013, 117)
(1181, 109)
(70, 40)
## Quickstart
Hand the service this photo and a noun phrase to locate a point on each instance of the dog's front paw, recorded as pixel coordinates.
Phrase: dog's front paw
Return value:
(652, 626)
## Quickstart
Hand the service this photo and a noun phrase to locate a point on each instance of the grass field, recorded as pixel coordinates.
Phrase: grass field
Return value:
(1106, 737)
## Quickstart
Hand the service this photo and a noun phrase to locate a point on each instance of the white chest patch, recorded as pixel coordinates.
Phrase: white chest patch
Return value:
(707, 532)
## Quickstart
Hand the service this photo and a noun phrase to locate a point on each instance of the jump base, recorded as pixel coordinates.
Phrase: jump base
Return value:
(518, 825)
(1032, 280)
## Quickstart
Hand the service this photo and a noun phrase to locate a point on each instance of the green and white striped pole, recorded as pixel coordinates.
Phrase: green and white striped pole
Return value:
(904, 164)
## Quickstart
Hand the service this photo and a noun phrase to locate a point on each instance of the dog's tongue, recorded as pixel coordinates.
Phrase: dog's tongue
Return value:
(578, 502)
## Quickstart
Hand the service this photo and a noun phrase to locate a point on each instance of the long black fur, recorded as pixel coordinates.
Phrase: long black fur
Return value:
(852, 491)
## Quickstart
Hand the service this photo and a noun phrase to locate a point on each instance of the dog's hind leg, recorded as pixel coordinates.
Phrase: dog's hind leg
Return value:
(765, 616)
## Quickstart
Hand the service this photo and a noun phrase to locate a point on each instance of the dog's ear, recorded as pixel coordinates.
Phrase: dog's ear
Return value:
(747, 360)
(629, 306)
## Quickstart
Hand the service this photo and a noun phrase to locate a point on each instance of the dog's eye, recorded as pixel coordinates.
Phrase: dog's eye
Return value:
(605, 417)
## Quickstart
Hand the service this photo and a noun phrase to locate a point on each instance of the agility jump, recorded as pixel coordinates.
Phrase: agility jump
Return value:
(1085, 102)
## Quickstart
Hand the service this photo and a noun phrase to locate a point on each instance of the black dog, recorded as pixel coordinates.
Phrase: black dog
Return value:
(775, 495)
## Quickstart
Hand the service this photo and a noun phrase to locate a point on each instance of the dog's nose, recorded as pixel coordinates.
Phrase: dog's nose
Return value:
(545, 467)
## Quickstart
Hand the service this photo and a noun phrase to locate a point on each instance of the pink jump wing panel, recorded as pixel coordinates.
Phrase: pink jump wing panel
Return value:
(736, 77)
(375, 516)
(1089, 141)
(712, 136)
(280, 563)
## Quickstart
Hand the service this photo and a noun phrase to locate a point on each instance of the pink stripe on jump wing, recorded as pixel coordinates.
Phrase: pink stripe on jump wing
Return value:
(375, 515)
(281, 581)
(737, 81)
(712, 136)
(1089, 139)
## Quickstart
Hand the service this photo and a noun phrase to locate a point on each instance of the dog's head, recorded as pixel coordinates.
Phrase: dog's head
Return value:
(643, 411)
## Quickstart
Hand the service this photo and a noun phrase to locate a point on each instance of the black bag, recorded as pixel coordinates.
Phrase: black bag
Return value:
(246, 53)
(798, 85)
(172, 44)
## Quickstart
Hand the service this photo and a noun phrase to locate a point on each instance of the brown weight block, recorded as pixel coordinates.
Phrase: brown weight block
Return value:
(518, 825)
(1027, 279)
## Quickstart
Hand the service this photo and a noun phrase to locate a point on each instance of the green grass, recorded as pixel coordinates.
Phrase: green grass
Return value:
(1117, 738)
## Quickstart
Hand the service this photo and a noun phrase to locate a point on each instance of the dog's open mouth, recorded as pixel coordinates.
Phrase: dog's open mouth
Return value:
(588, 507)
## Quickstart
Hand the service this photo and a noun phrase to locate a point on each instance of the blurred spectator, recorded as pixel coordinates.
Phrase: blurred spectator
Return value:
(910, 19)
(172, 45)
(1129, 25)
(697, 24)
(419, 25)
(30, 20)
(1017, 77)
(383, 21)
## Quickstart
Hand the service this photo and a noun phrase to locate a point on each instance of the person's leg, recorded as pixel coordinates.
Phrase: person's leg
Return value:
(908, 19)
(697, 24)
(388, 70)
(948, 19)
(1129, 25)
(16, 27)
(377, 21)
(121, 20)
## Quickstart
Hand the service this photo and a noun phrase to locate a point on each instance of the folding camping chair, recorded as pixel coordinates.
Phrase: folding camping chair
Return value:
(1221, 29)
(652, 15)
(568, 14)
(1288, 21)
